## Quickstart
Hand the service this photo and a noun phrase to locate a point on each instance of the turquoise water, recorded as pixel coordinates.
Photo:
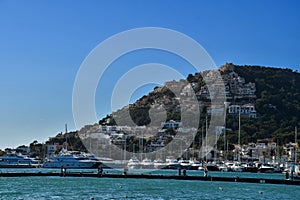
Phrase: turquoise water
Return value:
(106, 188)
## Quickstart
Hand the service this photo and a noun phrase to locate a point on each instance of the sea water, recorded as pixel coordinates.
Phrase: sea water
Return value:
(122, 188)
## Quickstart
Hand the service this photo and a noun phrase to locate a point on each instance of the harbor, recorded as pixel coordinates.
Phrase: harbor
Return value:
(150, 100)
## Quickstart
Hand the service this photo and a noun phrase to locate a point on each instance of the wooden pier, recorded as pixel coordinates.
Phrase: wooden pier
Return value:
(152, 176)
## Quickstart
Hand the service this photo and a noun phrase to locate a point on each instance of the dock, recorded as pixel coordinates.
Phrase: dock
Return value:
(153, 176)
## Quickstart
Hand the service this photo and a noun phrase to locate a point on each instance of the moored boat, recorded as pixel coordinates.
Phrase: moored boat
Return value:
(159, 164)
(111, 163)
(250, 167)
(133, 163)
(171, 163)
(147, 164)
(237, 167)
(211, 166)
(184, 164)
(266, 169)
(223, 168)
(18, 161)
(70, 160)
(194, 164)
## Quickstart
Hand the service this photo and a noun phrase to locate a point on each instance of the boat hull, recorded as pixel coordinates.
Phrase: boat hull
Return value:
(19, 166)
(71, 166)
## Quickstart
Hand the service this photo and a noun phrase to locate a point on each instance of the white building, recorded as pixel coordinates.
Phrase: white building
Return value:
(171, 124)
(23, 149)
(246, 109)
(215, 109)
(51, 148)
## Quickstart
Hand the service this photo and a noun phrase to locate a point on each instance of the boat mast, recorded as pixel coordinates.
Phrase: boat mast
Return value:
(202, 130)
(206, 138)
(239, 137)
(296, 145)
(226, 104)
(216, 139)
(124, 159)
(66, 129)
(225, 153)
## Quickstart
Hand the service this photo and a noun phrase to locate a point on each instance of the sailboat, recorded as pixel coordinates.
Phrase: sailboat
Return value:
(295, 171)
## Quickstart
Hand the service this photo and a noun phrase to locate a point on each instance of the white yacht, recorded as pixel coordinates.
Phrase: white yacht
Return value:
(147, 164)
(133, 163)
(159, 164)
(237, 167)
(111, 163)
(171, 163)
(18, 161)
(71, 160)
(201, 168)
(223, 168)
(194, 164)
(266, 168)
(185, 164)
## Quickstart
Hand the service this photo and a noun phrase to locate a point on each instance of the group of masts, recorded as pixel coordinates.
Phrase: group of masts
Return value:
(239, 138)
(206, 138)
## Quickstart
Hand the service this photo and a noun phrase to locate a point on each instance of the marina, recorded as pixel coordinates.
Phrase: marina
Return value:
(150, 100)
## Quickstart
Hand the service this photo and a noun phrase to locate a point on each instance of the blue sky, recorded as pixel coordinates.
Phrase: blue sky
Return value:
(43, 43)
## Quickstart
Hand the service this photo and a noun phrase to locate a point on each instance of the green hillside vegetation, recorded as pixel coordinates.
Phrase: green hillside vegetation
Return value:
(277, 104)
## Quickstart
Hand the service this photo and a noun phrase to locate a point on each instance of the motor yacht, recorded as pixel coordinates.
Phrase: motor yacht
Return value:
(70, 160)
(18, 161)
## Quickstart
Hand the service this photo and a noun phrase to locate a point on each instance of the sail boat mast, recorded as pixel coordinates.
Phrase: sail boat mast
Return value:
(239, 137)
(202, 130)
(206, 135)
(66, 129)
(226, 104)
(296, 144)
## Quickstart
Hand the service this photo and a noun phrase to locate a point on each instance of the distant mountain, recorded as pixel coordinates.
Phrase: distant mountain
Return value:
(269, 98)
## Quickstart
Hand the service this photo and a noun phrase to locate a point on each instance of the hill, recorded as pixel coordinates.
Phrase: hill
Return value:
(268, 97)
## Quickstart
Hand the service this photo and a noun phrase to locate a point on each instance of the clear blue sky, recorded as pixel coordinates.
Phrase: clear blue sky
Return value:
(43, 43)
